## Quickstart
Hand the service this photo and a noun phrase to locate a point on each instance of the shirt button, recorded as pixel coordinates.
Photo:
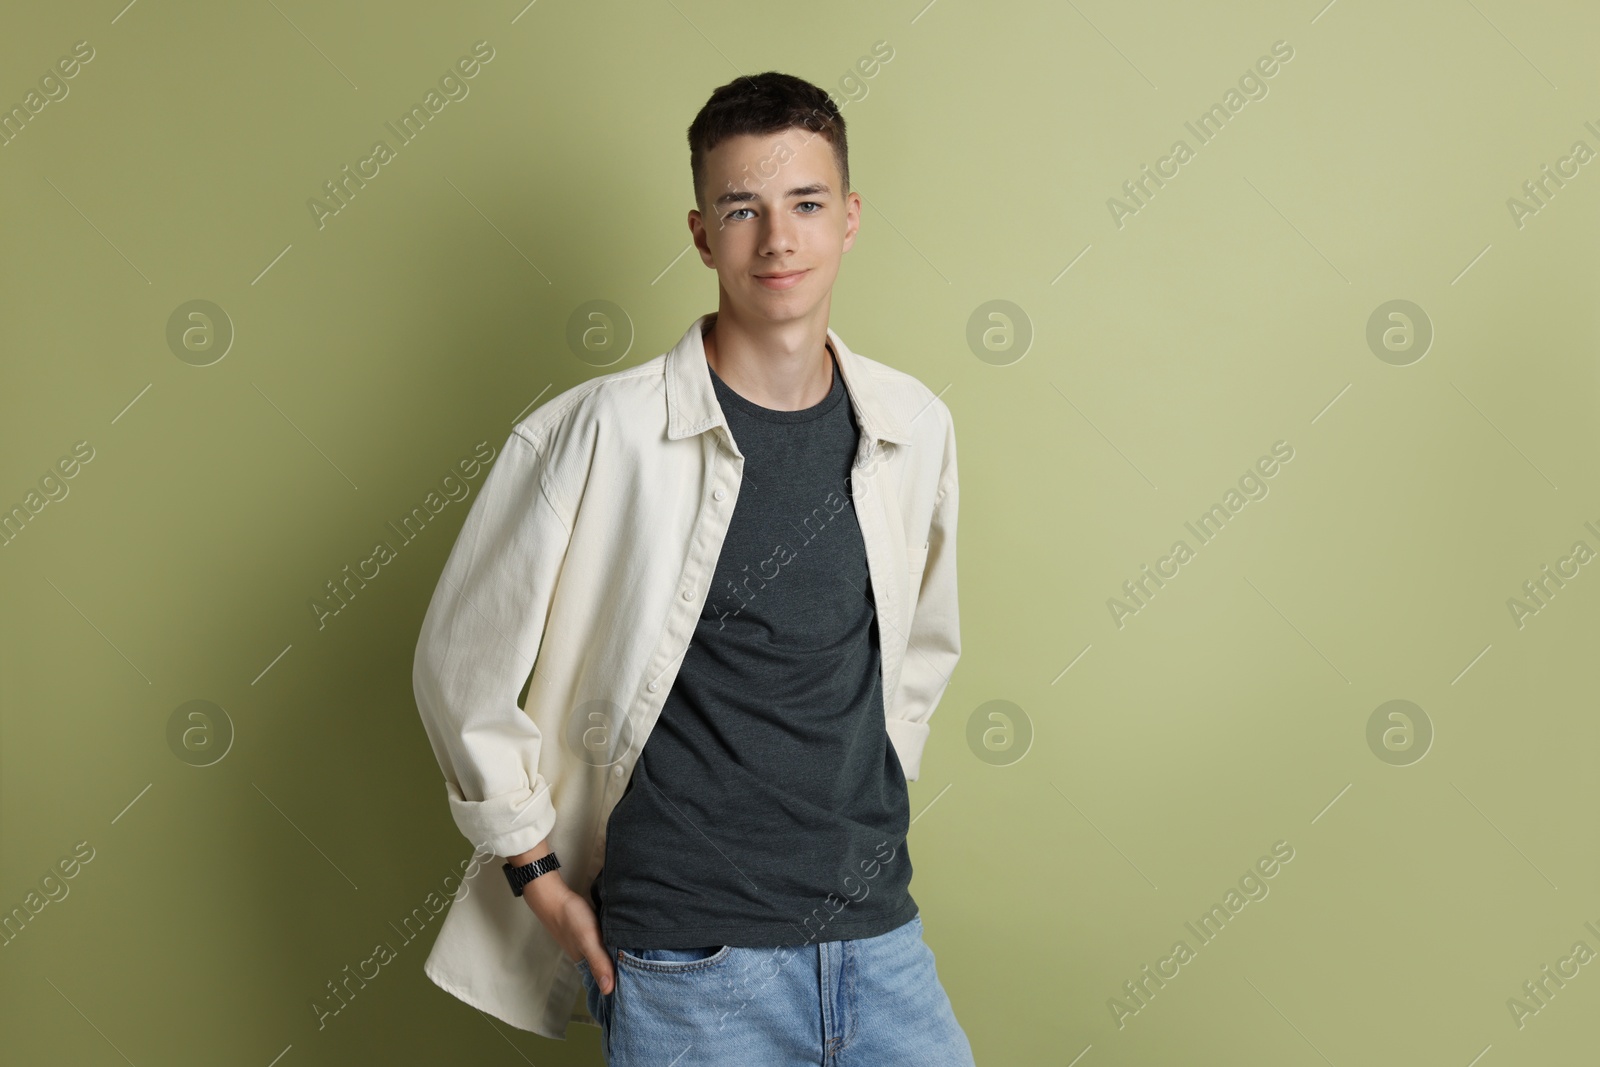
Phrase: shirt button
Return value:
(654, 686)
(688, 594)
(719, 494)
(617, 771)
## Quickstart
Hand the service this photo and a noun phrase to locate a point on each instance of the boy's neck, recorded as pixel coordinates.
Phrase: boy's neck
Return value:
(788, 368)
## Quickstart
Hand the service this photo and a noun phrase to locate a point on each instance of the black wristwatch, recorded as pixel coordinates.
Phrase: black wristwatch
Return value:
(521, 876)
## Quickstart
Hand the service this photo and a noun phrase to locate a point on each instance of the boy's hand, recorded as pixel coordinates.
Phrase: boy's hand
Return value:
(572, 922)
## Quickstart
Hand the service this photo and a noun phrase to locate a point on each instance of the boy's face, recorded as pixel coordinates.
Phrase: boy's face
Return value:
(774, 206)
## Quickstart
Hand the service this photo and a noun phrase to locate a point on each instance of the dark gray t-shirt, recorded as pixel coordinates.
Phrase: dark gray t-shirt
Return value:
(768, 806)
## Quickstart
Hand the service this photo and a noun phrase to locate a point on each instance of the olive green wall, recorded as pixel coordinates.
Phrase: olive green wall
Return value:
(1330, 318)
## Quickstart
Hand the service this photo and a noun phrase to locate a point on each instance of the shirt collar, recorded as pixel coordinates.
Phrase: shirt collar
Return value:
(692, 405)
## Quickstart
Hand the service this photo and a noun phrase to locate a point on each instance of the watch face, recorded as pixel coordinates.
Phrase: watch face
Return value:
(517, 877)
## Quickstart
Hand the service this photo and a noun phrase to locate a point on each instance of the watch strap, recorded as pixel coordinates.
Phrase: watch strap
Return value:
(521, 876)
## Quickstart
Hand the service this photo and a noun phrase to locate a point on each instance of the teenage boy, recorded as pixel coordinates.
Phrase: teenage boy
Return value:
(731, 572)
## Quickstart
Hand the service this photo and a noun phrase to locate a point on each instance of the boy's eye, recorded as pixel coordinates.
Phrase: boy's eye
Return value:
(735, 212)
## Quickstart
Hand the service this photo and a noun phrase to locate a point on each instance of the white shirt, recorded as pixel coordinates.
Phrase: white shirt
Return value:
(586, 559)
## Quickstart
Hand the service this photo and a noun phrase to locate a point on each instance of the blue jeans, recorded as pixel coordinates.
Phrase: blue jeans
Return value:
(866, 1002)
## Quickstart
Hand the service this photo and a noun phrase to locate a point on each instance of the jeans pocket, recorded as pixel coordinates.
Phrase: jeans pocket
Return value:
(673, 960)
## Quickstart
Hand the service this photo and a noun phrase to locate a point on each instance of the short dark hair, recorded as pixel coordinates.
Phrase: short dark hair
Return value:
(760, 104)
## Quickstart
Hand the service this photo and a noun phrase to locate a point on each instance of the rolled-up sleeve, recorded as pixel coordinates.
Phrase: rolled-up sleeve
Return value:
(479, 643)
(934, 643)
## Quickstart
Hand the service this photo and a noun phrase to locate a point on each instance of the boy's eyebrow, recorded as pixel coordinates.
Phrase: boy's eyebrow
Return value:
(814, 189)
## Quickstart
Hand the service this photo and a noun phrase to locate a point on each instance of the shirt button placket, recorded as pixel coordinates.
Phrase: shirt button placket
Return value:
(688, 592)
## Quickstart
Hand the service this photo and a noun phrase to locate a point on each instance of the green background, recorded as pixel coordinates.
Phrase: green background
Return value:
(1125, 795)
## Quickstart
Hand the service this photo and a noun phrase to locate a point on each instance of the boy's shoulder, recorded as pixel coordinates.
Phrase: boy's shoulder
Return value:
(903, 392)
(619, 398)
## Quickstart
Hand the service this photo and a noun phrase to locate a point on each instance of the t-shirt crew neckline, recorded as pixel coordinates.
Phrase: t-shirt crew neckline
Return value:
(836, 393)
